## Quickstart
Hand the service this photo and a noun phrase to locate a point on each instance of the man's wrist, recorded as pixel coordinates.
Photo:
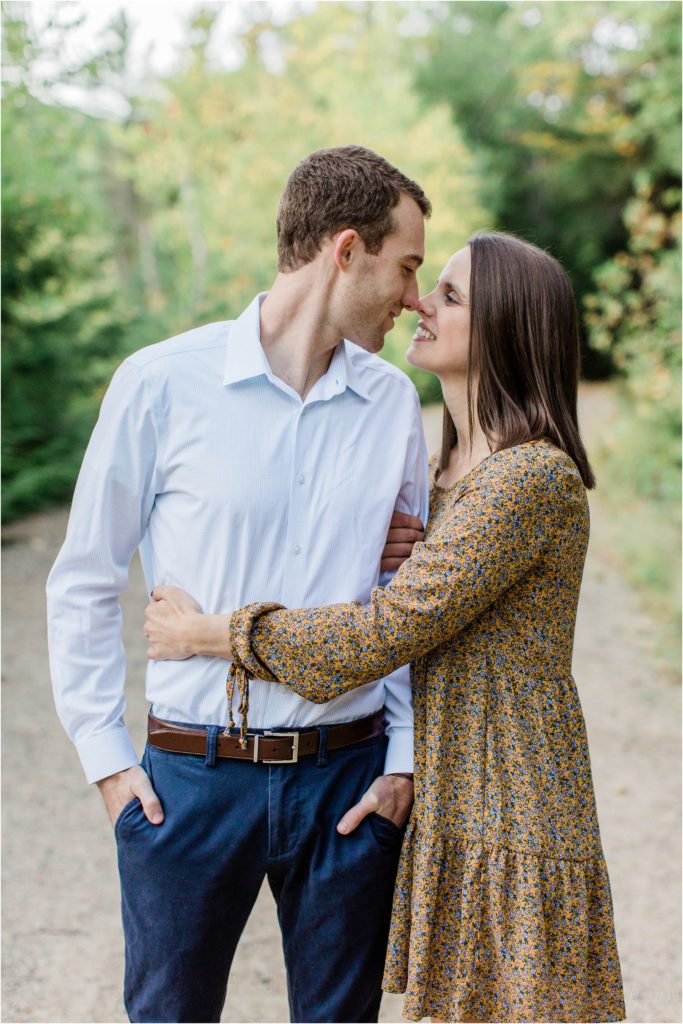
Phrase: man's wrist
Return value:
(402, 775)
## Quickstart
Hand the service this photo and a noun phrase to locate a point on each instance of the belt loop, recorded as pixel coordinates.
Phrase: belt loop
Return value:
(211, 741)
(322, 747)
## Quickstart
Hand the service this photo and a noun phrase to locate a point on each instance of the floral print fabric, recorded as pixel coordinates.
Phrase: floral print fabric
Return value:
(502, 908)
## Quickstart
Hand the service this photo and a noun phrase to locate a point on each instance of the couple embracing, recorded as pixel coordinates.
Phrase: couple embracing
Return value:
(396, 743)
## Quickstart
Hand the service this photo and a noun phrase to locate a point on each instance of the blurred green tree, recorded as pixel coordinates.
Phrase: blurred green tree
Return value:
(210, 160)
(61, 319)
(563, 103)
(573, 111)
(155, 211)
(152, 207)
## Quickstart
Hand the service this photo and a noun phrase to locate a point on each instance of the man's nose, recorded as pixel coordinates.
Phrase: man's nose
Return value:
(414, 303)
(411, 298)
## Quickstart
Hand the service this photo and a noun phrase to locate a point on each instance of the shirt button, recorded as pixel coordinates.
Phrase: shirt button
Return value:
(301, 479)
(296, 550)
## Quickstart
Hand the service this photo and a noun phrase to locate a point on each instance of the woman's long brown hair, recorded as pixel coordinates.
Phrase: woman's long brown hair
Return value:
(524, 350)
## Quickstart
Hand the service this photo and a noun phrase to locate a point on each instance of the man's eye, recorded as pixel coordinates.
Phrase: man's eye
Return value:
(409, 270)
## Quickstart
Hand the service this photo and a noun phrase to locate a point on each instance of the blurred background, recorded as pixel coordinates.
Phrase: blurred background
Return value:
(145, 147)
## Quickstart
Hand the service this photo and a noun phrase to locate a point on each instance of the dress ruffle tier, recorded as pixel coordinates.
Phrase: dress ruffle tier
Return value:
(511, 936)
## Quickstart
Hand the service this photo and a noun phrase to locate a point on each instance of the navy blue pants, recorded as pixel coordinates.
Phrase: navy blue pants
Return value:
(189, 884)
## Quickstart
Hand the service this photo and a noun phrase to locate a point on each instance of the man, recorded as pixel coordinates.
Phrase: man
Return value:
(255, 459)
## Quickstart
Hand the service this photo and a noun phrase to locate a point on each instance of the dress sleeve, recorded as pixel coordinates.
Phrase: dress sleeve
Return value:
(496, 531)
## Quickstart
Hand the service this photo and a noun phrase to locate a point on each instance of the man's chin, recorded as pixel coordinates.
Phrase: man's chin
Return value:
(370, 344)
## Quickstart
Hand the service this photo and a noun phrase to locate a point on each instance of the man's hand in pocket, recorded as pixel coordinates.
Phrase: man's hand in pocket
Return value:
(119, 789)
(391, 796)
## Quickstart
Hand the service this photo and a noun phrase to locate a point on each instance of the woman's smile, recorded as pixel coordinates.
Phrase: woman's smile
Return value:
(423, 333)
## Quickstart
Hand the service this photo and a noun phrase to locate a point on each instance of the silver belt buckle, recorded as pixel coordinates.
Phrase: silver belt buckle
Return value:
(294, 736)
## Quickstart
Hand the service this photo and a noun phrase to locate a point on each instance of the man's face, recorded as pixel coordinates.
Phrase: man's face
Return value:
(380, 287)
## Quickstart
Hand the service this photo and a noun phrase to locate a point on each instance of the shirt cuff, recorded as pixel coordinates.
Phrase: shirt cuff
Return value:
(399, 755)
(106, 753)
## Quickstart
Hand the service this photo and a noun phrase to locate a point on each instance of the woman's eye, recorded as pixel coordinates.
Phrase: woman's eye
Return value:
(451, 299)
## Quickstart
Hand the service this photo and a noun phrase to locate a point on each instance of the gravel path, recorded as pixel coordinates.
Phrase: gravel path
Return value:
(63, 948)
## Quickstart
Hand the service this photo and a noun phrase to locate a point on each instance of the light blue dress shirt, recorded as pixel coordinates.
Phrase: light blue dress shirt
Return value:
(237, 490)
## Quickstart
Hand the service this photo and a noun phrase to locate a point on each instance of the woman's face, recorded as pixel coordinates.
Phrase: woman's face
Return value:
(441, 342)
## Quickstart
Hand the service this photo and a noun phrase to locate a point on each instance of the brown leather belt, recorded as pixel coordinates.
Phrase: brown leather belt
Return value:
(266, 747)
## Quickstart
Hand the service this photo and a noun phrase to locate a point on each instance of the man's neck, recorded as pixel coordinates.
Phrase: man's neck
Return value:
(296, 334)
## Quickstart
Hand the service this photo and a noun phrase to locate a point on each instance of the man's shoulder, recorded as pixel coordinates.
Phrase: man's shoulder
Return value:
(183, 348)
(373, 369)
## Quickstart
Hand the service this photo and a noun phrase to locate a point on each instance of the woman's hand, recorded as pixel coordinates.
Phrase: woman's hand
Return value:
(176, 628)
(168, 624)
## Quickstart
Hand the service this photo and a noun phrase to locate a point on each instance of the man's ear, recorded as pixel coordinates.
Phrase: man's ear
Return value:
(345, 245)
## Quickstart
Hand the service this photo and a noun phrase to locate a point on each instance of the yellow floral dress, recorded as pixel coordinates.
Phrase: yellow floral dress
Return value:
(502, 909)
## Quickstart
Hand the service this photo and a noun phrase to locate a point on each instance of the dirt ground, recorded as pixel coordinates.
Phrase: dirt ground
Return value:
(62, 942)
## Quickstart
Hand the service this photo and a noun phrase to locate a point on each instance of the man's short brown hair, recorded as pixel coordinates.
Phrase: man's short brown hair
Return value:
(333, 189)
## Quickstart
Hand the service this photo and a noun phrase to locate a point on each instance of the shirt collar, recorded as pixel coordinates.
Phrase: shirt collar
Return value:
(245, 358)
(344, 371)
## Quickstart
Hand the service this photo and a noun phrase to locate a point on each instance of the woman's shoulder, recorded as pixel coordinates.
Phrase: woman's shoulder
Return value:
(533, 466)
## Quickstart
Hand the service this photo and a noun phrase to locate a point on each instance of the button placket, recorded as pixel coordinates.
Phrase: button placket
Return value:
(294, 582)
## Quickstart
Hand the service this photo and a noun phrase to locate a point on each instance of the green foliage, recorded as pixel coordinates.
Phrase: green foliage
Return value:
(635, 316)
(120, 231)
(563, 103)
(209, 161)
(60, 320)
(573, 111)
(157, 211)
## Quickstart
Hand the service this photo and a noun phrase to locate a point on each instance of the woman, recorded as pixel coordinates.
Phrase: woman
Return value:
(502, 908)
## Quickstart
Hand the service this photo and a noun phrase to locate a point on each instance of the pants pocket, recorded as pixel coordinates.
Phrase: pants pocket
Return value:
(384, 830)
(127, 810)
(124, 813)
